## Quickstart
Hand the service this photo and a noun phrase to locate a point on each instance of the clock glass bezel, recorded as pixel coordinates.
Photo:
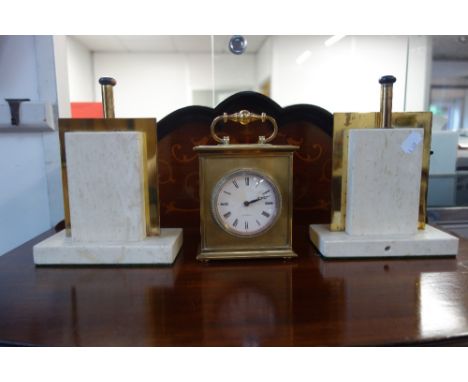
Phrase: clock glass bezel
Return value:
(232, 174)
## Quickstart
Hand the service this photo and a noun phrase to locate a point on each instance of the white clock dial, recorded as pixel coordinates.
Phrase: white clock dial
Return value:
(246, 203)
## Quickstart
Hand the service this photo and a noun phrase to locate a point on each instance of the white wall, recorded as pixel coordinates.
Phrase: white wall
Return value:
(264, 62)
(235, 72)
(18, 77)
(418, 84)
(80, 71)
(199, 73)
(148, 85)
(154, 85)
(342, 77)
(30, 197)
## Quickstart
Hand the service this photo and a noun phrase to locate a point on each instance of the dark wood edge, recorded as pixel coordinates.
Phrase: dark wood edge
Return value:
(446, 341)
(252, 101)
(461, 341)
(16, 344)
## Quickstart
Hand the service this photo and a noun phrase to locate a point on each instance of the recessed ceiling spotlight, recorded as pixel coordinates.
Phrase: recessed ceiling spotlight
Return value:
(237, 44)
(462, 39)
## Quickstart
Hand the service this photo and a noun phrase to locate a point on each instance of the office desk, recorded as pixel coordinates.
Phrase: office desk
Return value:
(306, 301)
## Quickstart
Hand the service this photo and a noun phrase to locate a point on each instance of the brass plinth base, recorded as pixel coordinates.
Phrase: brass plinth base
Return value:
(204, 255)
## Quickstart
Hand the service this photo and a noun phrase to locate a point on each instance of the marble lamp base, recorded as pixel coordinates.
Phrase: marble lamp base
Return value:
(62, 250)
(428, 242)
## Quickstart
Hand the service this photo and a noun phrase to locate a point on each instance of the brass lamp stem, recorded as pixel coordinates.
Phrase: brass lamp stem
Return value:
(107, 93)
(386, 97)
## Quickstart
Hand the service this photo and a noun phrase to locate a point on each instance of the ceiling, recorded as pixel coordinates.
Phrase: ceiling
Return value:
(450, 47)
(444, 47)
(165, 44)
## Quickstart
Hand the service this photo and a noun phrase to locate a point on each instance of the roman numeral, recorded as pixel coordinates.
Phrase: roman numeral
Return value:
(226, 192)
(224, 203)
(246, 225)
(226, 215)
(235, 223)
(235, 183)
(247, 180)
(266, 214)
(266, 192)
(268, 203)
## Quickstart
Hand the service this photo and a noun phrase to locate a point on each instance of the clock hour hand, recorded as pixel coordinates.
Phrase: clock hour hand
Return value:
(247, 203)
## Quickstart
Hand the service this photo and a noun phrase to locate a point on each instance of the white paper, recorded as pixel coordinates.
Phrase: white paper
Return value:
(411, 142)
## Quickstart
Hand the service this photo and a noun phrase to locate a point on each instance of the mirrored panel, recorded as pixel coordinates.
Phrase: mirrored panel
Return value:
(157, 75)
(448, 185)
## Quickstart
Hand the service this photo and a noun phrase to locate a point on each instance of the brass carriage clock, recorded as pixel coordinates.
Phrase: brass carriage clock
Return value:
(245, 195)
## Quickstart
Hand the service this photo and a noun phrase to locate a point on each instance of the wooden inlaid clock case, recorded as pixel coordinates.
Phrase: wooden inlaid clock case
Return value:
(308, 126)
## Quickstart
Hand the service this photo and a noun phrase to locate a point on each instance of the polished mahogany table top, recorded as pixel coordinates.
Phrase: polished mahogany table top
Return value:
(305, 301)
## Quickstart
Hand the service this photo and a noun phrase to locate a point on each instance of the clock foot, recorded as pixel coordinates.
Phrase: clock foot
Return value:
(246, 254)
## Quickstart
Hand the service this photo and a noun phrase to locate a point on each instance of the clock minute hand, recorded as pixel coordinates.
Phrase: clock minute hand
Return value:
(247, 203)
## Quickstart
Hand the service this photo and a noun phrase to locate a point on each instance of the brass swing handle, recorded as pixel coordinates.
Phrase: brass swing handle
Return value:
(244, 117)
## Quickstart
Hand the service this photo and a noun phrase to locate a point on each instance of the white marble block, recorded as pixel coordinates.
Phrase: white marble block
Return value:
(62, 250)
(382, 201)
(106, 186)
(384, 177)
(338, 244)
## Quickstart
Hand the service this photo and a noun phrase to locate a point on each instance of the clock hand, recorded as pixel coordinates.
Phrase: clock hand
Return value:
(247, 203)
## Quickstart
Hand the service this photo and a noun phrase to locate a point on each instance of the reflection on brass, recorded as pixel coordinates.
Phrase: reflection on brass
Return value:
(342, 122)
(145, 125)
(265, 87)
(244, 117)
(248, 294)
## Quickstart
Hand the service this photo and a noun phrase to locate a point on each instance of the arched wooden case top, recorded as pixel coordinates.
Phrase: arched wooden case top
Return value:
(307, 126)
(273, 162)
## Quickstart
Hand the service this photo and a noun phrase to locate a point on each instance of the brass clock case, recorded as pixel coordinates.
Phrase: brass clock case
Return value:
(217, 162)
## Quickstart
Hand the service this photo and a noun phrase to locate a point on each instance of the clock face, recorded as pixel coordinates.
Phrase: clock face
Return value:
(246, 203)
